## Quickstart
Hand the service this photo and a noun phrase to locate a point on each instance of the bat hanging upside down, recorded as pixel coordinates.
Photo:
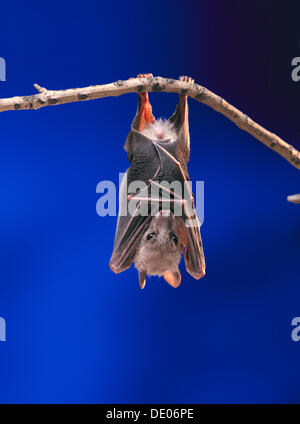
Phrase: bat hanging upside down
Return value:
(157, 219)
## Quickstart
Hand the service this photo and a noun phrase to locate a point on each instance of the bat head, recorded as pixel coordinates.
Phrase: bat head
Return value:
(160, 249)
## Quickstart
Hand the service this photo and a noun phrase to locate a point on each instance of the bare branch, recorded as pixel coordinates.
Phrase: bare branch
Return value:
(158, 84)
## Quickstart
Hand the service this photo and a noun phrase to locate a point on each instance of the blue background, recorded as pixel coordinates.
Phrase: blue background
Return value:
(76, 332)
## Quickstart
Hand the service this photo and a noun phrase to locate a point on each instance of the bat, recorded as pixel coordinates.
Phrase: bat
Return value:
(157, 221)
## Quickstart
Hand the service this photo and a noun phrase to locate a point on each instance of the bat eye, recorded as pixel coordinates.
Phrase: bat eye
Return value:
(150, 236)
(174, 238)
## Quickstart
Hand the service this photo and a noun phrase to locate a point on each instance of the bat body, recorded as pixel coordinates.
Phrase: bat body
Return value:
(157, 220)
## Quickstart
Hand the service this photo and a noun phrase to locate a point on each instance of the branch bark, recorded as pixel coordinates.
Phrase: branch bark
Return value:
(158, 84)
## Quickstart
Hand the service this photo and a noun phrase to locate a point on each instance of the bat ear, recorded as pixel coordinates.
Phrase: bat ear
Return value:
(142, 279)
(173, 278)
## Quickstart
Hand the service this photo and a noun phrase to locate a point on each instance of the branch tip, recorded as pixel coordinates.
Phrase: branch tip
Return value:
(294, 199)
(39, 88)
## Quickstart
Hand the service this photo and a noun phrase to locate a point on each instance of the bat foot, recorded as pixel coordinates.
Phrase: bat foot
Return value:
(185, 78)
(144, 76)
(144, 94)
(145, 115)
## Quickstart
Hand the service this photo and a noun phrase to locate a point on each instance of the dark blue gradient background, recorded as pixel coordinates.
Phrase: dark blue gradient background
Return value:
(75, 331)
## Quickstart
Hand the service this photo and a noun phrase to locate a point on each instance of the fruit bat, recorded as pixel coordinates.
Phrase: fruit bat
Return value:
(157, 221)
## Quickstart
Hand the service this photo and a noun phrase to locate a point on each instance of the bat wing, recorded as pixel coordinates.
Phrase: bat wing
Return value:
(192, 248)
(189, 225)
(130, 229)
(129, 232)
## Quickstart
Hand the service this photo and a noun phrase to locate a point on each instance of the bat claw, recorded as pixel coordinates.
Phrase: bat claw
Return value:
(144, 76)
(185, 78)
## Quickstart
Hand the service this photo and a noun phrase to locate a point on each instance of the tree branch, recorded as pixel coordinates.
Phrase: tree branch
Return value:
(51, 97)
